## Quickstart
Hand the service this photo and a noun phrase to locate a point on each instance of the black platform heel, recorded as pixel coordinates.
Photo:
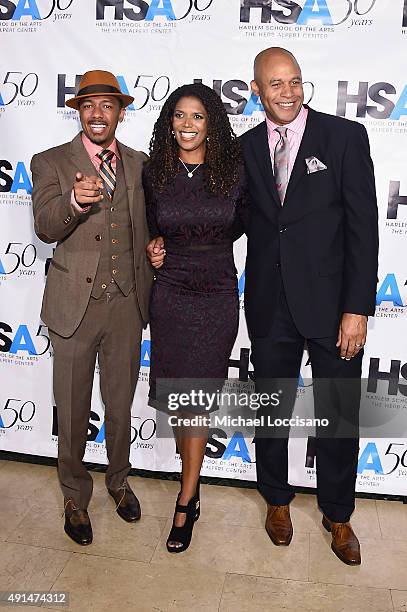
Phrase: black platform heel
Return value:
(197, 501)
(196, 497)
(182, 535)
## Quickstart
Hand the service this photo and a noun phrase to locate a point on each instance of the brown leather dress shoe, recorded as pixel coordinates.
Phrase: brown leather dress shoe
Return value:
(345, 544)
(278, 525)
(77, 524)
(127, 504)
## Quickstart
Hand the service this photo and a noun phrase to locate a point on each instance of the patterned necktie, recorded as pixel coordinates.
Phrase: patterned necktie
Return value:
(106, 171)
(281, 160)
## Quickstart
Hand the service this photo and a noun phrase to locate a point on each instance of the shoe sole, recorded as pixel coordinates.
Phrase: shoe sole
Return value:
(127, 519)
(176, 550)
(75, 540)
(276, 542)
(336, 552)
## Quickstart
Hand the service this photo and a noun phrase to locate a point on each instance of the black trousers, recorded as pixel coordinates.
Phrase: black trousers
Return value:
(336, 385)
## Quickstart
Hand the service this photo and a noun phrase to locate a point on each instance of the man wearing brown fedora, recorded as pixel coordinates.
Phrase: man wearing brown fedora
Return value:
(88, 197)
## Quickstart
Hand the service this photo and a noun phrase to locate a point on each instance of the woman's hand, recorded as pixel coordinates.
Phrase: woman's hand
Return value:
(156, 252)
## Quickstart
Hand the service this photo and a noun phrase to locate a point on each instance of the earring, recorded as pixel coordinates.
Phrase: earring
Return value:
(172, 132)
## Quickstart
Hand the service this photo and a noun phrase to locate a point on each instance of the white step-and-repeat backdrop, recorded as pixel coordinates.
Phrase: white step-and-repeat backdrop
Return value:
(353, 55)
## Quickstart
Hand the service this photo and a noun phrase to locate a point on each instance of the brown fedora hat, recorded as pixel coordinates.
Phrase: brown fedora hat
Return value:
(98, 83)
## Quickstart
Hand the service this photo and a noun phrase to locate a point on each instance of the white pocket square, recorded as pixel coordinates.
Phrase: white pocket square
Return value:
(314, 165)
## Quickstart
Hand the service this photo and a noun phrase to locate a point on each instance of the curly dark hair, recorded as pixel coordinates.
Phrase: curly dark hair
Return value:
(222, 156)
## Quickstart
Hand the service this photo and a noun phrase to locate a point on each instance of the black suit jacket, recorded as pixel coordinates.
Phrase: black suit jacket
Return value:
(322, 244)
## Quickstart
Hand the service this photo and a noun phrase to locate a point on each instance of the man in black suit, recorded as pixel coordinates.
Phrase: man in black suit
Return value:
(311, 276)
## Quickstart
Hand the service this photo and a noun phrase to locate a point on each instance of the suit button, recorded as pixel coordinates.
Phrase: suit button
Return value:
(283, 229)
(88, 279)
(278, 264)
(98, 237)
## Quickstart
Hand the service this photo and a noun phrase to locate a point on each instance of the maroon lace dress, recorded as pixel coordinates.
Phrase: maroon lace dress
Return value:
(194, 307)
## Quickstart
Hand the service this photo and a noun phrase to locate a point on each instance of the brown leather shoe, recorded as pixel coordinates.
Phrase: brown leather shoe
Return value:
(127, 504)
(77, 524)
(344, 542)
(278, 525)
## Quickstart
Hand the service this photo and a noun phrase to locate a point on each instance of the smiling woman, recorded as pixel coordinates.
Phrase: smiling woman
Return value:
(190, 128)
(195, 198)
(193, 127)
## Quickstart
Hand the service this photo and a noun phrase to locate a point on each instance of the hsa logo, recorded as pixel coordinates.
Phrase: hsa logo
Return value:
(240, 104)
(144, 11)
(241, 284)
(145, 353)
(389, 291)
(22, 340)
(393, 376)
(29, 8)
(235, 448)
(384, 108)
(395, 199)
(14, 181)
(290, 12)
(148, 11)
(312, 10)
(96, 427)
(370, 460)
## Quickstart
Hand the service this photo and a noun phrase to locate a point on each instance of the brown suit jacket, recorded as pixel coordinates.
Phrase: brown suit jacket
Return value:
(73, 267)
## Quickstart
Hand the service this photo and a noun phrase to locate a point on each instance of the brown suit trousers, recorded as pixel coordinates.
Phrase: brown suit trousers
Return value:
(101, 333)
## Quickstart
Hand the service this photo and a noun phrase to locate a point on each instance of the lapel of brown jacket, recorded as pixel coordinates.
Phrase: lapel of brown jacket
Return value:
(80, 157)
(129, 162)
(83, 163)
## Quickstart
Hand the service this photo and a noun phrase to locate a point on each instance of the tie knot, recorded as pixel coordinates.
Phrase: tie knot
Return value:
(106, 155)
(282, 130)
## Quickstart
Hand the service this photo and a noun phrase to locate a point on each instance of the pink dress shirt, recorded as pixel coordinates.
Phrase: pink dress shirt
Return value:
(295, 132)
(93, 149)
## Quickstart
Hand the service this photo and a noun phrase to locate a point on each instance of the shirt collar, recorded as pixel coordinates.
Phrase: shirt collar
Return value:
(296, 126)
(93, 149)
